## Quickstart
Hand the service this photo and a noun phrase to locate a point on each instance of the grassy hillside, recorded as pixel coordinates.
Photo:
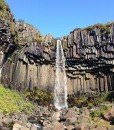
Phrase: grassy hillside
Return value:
(12, 102)
(6, 15)
(4, 10)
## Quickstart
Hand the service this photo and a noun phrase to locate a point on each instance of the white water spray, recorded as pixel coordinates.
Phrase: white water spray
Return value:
(60, 90)
(0, 73)
(1, 62)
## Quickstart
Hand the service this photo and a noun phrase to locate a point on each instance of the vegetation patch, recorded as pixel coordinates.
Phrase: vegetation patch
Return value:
(12, 102)
(100, 111)
(2, 4)
(41, 97)
(90, 100)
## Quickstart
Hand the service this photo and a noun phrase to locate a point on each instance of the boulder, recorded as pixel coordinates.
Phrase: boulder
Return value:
(4, 128)
(6, 121)
(25, 128)
(58, 126)
(70, 121)
(109, 116)
(46, 122)
(71, 114)
(70, 127)
(35, 127)
(48, 127)
(82, 126)
(17, 127)
(56, 116)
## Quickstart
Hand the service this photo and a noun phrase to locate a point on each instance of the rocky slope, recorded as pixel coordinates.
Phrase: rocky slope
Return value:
(72, 119)
(28, 59)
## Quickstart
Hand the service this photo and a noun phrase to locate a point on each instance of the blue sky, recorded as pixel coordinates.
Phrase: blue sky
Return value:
(59, 17)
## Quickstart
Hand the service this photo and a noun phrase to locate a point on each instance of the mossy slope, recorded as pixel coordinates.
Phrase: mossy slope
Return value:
(12, 102)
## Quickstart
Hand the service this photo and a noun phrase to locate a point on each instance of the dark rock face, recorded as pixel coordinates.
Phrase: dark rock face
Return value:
(6, 39)
(89, 62)
(28, 59)
(27, 33)
(90, 58)
(7, 35)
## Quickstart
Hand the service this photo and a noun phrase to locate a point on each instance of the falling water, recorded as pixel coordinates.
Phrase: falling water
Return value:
(60, 90)
(1, 62)
(0, 73)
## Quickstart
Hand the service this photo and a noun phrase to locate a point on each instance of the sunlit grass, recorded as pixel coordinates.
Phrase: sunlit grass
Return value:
(12, 102)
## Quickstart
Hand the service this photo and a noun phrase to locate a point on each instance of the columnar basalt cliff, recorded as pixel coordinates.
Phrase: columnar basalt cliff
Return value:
(8, 37)
(90, 58)
(89, 65)
(29, 58)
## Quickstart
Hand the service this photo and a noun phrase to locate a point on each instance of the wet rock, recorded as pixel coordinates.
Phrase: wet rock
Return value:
(33, 119)
(36, 127)
(56, 116)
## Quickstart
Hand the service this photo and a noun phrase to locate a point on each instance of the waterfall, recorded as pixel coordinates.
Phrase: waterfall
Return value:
(60, 90)
(1, 63)
(0, 72)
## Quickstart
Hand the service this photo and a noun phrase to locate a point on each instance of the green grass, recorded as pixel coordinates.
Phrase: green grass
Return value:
(12, 102)
(2, 3)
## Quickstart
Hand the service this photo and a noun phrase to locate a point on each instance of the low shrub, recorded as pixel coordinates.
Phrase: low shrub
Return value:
(38, 96)
(100, 111)
(110, 96)
(89, 100)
